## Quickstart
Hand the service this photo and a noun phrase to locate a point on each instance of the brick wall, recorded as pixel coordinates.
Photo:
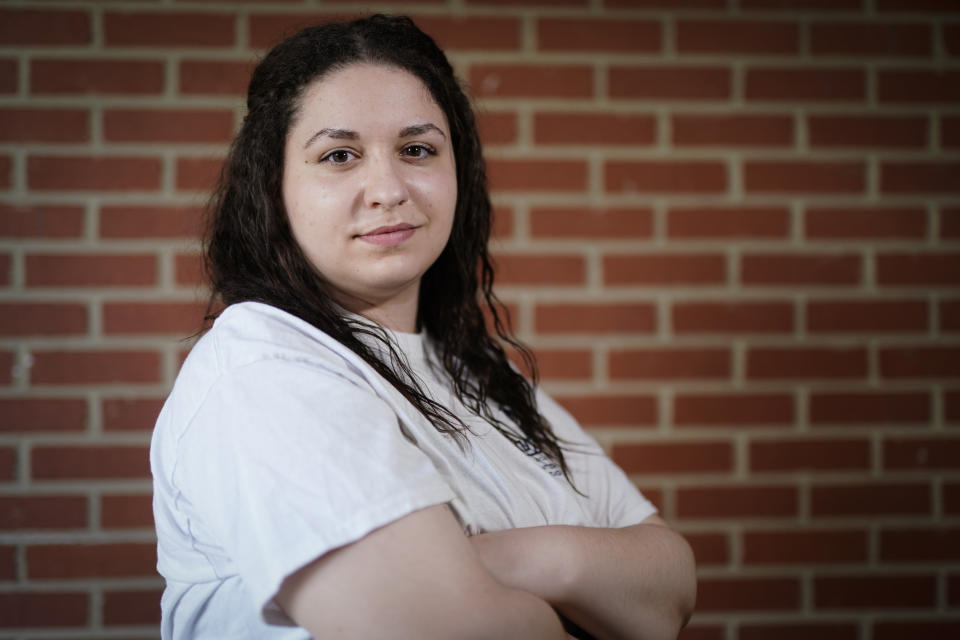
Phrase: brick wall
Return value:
(730, 228)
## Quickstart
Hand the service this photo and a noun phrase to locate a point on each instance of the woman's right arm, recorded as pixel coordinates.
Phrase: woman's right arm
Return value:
(417, 577)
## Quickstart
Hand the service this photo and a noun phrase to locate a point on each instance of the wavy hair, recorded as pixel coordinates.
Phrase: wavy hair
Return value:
(250, 253)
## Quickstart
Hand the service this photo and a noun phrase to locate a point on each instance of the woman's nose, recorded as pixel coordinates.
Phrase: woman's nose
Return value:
(385, 185)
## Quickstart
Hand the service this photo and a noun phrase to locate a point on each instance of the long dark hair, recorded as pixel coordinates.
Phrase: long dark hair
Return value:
(250, 253)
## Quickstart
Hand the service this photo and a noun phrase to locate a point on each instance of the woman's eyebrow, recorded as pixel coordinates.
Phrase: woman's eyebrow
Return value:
(338, 134)
(420, 129)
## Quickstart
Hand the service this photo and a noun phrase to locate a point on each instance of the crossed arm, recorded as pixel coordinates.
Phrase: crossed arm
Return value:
(420, 577)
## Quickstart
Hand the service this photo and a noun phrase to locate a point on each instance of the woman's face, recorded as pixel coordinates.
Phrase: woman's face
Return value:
(369, 183)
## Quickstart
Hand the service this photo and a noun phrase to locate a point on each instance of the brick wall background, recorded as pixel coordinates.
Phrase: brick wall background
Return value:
(730, 228)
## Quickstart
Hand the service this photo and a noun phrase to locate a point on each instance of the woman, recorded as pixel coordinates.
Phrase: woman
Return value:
(347, 452)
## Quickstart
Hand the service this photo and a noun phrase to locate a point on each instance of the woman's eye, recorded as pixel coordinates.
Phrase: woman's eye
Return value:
(338, 156)
(418, 151)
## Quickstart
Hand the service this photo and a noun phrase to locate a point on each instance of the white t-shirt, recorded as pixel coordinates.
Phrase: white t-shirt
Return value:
(278, 444)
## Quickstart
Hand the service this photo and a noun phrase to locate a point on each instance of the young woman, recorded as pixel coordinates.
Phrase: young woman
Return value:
(347, 452)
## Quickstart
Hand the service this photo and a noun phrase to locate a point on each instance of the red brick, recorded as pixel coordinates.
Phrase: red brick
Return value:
(791, 363)
(594, 128)
(874, 591)
(949, 315)
(752, 37)
(800, 269)
(42, 512)
(8, 463)
(915, 629)
(871, 39)
(266, 30)
(875, 499)
(920, 177)
(215, 77)
(591, 222)
(866, 222)
(4, 269)
(673, 5)
(92, 173)
(163, 29)
(101, 270)
(497, 127)
(6, 167)
(728, 222)
(32, 415)
(918, 85)
(46, 609)
(708, 549)
(732, 317)
(619, 411)
(8, 565)
(40, 221)
(665, 176)
(789, 5)
(595, 318)
(136, 221)
(801, 176)
(107, 560)
(198, 174)
(949, 223)
(126, 511)
(95, 367)
(799, 630)
(95, 76)
(748, 594)
(951, 38)
(913, 6)
(869, 408)
(921, 453)
(920, 362)
(666, 362)
(670, 82)
(168, 125)
(102, 462)
(931, 269)
(806, 84)
(738, 410)
(867, 316)
(188, 269)
(44, 125)
(804, 547)
(42, 319)
(503, 223)
(131, 607)
(130, 414)
(809, 455)
(9, 73)
(621, 35)
(138, 318)
(920, 545)
(531, 81)
(46, 27)
(949, 132)
(951, 401)
(737, 502)
(664, 269)
(540, 269)
(732, 130)
(564, 364)
(885, 132)
(481, 33)
(537, 175)
(674, 457)
(529, 3)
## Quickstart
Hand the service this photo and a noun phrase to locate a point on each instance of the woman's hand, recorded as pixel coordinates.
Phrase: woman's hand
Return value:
(637, 582)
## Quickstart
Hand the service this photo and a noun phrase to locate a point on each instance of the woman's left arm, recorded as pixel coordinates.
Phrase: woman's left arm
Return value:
(634, 583)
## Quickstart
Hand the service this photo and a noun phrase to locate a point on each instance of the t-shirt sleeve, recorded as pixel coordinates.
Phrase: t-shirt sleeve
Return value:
(287, 460)
(612, 498)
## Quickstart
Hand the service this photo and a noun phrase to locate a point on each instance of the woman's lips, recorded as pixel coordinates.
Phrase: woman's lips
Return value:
(388, 236)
